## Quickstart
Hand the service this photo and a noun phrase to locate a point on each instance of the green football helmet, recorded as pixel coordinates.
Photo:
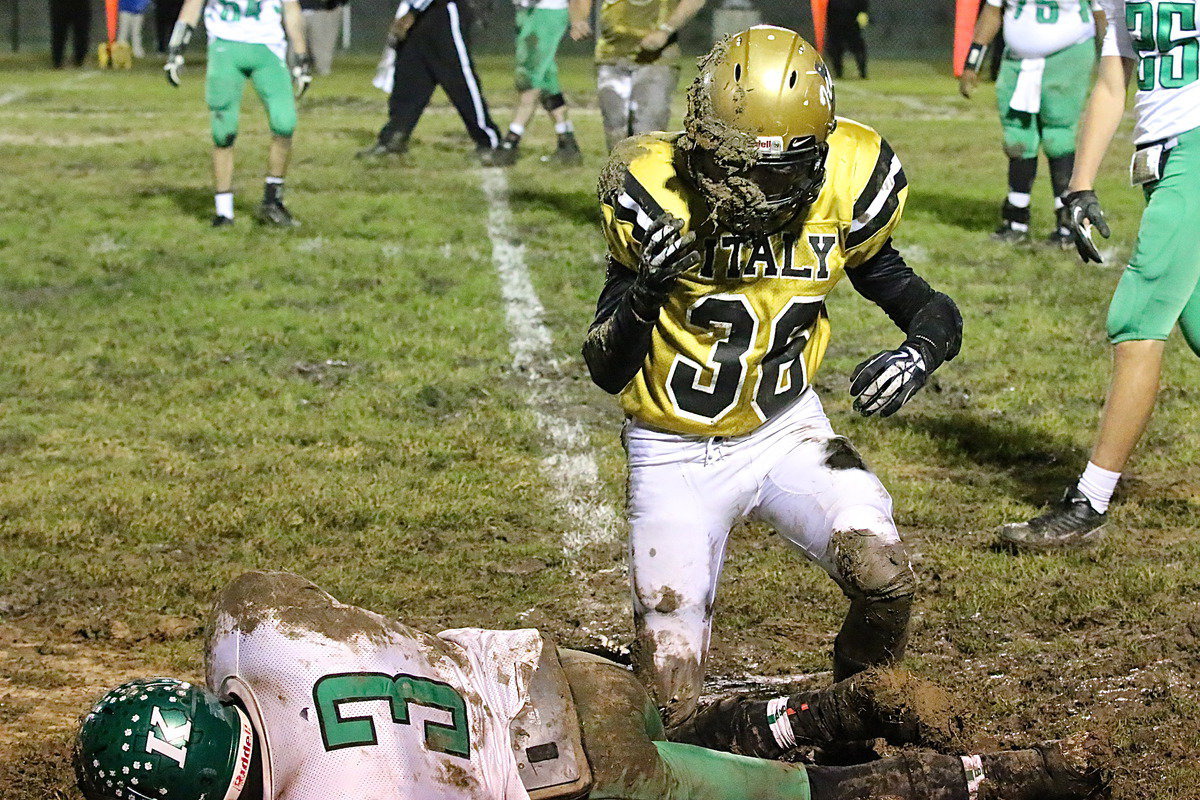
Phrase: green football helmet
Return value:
(163, 739)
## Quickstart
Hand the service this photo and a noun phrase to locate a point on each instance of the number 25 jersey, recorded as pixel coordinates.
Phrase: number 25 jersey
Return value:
(349, 704)
(743, 332)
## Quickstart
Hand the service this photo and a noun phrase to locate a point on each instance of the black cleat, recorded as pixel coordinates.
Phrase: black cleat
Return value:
(1014, 225)
(503, 156)
(567, 153)
(221, 222)
(1071, 523)
(1061, 236)
(276, 215)
(396, 146)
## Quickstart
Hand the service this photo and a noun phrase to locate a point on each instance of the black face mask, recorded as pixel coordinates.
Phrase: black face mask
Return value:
(761, 197)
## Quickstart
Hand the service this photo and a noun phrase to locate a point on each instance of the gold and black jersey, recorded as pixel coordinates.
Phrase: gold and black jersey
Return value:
(743, 332)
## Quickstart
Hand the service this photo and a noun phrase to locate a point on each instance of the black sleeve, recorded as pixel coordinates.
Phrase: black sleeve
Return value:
(618, 339)
(930, 319)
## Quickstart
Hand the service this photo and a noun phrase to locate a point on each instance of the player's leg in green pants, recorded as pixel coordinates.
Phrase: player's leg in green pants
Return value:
(1021, 139)
(1064, 93)
(539, 33)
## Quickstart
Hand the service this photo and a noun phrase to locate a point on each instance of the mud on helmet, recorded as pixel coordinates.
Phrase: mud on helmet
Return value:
(163, 739)
(760, 113)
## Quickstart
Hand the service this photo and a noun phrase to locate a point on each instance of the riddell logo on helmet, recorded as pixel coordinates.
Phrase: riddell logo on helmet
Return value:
(770, 145)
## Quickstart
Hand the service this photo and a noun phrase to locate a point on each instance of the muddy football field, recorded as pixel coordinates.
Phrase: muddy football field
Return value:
(389, 400)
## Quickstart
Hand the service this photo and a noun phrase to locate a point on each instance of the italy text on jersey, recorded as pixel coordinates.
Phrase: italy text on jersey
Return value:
(743, 332)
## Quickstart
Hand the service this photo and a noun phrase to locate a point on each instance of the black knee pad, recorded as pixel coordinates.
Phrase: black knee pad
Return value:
(871, 570)
(553, 102)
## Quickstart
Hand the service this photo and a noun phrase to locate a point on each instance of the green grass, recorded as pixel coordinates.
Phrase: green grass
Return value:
(175, 409)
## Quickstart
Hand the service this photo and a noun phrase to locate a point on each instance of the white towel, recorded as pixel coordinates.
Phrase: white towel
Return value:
(386, 71)
(1027, 94)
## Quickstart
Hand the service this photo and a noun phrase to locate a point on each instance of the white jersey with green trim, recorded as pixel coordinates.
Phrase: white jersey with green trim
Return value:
(1164, 39)
(250, 21)
(350, 704)
(1038, 28)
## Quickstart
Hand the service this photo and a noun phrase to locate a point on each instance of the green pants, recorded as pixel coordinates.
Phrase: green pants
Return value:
(1065, 86)
(539, 32)
(625, 743)
(1161, 285)
(229, 65)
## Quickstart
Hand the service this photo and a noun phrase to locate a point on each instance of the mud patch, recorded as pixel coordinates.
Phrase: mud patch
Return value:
(936, 720)
(612, 177)
(840, 454)
(39, 769)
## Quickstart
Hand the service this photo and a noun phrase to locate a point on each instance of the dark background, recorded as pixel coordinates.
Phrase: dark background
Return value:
(899, 28)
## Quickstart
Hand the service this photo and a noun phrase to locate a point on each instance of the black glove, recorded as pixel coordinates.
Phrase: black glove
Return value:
(666, 254)
(886, 380)
(302, 74)
(1083, 210)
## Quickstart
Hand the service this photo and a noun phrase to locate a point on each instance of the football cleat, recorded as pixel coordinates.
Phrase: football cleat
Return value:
(1061, 237)
(221, 222)
(501, 156)
(276, 215)
(567, 152)
(1011, 233)
(395, 146)
(1070, 523)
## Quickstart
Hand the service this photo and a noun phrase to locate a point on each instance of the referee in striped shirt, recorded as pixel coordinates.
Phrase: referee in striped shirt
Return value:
(429, 37)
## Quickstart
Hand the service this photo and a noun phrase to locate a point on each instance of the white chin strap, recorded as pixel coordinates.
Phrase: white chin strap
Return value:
(245, 756)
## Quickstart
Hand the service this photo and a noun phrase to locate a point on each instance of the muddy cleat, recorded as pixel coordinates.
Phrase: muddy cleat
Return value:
(567, 152)
(219, 221)
(1014, 225)
(396, 146)
(1067, 769)
(1070, 523)
(1061, 239)
(276, 215)
(502, 156)
(1061, 236)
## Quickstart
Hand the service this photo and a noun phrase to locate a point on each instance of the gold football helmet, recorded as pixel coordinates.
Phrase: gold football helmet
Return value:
(759, 114)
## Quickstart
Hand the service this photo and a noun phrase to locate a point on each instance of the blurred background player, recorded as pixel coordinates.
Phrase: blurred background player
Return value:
(311, 699)
(246, 40)
(723, 242)
(1161, 285)
(131, 14)
(322, 27)
(847, 19)
(429, 41)
(637, 62)
(166, 12)
(541, 25)
(1043, 82)
(71, 18)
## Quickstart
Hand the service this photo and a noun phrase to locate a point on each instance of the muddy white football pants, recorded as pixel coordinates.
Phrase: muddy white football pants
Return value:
(793, 473)
(634, 98)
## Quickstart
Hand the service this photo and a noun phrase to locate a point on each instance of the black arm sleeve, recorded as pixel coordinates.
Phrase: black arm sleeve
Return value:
(930, 319)
(618, 339)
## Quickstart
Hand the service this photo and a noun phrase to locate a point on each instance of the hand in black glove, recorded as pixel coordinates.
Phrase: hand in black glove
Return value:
(886, 380)
(1084, 211)
(666, 254)
(174, 65)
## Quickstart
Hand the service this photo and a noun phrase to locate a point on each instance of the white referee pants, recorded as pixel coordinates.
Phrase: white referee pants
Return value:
(793, 473)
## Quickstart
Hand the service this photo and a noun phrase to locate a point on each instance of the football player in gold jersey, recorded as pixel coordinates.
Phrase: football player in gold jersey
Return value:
(723, 242)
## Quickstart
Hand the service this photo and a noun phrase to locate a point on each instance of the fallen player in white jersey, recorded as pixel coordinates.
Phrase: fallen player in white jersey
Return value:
(312, 699)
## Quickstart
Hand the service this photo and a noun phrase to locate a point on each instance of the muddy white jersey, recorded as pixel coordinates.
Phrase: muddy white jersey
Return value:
(1038, 28)
(250, 21)
(349, 704)
(1164, 39)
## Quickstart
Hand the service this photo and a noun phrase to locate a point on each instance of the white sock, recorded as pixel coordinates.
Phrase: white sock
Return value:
(224, 201)
(1019, 199)
(515, 129)
(1097, 485)
(565, 126)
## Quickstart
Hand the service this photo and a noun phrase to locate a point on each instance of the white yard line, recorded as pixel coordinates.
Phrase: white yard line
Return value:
(571, 466)
(12, 96)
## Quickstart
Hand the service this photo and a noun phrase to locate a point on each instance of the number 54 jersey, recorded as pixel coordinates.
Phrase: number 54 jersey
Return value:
(744, 331)
(349, 704)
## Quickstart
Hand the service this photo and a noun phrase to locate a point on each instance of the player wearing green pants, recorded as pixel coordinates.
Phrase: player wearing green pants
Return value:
(541, 25)
(1040, 93)
(311, 699)
(246, 41)
(1161, 285)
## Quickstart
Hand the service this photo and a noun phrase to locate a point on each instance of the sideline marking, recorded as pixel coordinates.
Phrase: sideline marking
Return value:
(571, 466)
(12, 96)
